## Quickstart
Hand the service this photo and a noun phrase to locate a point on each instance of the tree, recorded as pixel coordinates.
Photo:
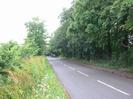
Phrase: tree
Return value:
(97, 29)
(36, 37)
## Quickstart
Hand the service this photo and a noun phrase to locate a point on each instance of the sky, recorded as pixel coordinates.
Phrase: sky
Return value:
(15, 13)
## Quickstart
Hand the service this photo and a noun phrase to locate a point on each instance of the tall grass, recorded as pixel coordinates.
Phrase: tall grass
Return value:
(33, 80)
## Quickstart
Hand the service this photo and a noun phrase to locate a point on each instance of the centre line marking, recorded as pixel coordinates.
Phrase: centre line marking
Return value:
(82, 73)
(71, 68)
(118, 90)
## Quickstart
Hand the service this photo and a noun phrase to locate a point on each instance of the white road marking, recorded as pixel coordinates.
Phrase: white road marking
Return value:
(118, 90)
(82, 73)
(71, 68)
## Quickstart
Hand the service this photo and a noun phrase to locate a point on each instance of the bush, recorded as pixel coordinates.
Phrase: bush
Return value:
(29, 49)
(9, 54)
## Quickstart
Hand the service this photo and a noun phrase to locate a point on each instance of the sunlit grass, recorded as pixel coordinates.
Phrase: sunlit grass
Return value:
(33, 80)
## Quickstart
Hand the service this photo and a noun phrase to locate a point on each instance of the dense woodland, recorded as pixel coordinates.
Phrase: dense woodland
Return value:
(96, 29)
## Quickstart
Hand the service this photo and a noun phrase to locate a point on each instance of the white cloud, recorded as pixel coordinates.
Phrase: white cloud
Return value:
(14, 13)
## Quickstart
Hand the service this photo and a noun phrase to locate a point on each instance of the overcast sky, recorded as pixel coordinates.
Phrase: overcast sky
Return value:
(14, 14)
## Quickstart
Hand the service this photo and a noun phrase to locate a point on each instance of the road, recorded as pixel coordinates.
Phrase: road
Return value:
(85, 83)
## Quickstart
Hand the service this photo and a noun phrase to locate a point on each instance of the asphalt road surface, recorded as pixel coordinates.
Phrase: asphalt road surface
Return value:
(85, 83)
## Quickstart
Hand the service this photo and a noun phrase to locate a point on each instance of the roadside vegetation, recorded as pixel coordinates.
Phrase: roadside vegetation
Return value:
(104, 64)
(97, 30)
(34, 79)
(24, 71)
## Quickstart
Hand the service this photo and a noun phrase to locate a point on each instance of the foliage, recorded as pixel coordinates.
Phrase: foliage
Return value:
(36, 36)
(30, 48)
(9, 54)
(34, 80)
(96, 29)
(24, 76)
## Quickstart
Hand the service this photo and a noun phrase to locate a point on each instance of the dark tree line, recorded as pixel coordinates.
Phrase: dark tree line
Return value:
(96, 29)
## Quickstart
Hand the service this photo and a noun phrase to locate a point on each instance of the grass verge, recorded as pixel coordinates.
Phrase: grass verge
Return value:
(33, 80)
(106, 64)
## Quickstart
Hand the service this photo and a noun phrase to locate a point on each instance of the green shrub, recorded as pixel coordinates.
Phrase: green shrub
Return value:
(9, 54)
(29, 49)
